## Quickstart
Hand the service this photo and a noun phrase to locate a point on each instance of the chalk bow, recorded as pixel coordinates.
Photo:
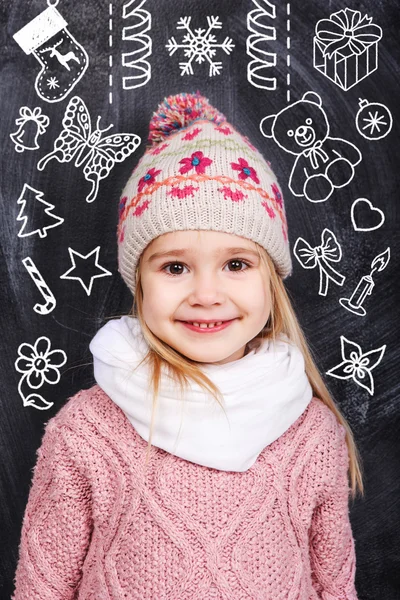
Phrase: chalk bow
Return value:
(316, 152)
(328, 251)
(347, 28)
(36, 115)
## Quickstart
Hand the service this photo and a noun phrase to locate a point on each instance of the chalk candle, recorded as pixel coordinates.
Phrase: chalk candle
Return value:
(363, 289)
(365, 286)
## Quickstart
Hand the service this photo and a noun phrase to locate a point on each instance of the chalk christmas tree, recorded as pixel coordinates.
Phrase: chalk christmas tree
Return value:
(40, 216)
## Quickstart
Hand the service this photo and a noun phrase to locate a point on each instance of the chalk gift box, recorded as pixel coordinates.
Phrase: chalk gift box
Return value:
(346, 47)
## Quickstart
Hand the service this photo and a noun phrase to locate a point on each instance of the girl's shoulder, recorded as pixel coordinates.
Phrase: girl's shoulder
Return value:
(86, 404)
(325, 419)
(322, 431)
(91, 420)
(88, 436)
(321, 409)
(317, 421)
(316, 435)
(327, 440)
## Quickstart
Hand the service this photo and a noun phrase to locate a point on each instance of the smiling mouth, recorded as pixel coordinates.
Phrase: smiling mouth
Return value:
(208, 324)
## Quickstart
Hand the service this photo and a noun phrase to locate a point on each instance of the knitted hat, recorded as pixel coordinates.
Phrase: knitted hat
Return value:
(199, 173)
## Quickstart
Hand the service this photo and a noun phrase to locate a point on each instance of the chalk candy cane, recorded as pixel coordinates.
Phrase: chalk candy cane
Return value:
(41, 309)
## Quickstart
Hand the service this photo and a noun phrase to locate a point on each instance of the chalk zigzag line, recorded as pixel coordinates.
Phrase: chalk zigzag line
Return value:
(136, 60)
(256, 44)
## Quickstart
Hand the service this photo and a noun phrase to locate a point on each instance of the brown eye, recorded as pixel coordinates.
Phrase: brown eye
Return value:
(236, 262)
(178, 265)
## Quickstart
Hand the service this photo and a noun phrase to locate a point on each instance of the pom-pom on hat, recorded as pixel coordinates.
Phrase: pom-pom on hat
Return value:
(199, 173)
(177, 112)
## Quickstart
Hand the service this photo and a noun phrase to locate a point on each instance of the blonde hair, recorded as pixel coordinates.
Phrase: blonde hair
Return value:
(282, 320)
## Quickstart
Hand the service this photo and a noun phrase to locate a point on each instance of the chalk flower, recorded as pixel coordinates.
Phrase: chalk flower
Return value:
(356, 364)
(39, 363)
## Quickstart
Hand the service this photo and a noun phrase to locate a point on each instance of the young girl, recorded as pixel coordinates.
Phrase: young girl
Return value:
(208, 462)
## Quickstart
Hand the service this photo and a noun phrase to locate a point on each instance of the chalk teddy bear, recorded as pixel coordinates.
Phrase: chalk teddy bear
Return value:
(323, 163)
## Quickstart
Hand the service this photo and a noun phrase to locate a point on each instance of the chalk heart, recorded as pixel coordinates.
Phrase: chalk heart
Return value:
(362, 211)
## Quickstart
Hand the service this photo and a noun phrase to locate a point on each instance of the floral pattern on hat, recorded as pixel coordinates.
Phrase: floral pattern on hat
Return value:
(187, 190)
(192, 134)
(197, 161)
(141, 208)
(269, 210)
(245, 170)
(148, 178)
(277, 194)
(159, 149)
(234, 195)
(121, 206)
(225, 130)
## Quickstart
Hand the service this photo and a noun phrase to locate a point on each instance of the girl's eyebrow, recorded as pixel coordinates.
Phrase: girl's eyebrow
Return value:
(183, 251)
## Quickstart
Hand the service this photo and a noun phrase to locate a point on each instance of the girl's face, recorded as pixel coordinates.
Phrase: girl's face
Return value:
(206, 279)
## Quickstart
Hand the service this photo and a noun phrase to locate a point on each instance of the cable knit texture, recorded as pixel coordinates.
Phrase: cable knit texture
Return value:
(97, 526)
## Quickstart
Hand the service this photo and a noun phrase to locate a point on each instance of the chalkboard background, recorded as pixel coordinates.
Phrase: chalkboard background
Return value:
(83, 303)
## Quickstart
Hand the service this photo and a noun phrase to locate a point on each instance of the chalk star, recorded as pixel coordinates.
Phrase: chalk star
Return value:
(105, 272)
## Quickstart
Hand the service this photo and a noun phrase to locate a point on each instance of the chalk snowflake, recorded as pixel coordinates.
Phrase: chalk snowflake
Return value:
(375, 121)
(52, 82)
(199, 45)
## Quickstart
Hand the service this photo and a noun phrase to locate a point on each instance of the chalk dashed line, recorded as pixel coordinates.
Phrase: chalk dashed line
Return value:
(288, 51)
(110, 42)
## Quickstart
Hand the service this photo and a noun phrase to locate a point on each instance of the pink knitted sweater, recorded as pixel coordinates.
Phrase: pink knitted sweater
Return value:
(97, 527)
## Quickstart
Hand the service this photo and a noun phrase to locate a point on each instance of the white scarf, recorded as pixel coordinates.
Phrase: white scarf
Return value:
(264, 393)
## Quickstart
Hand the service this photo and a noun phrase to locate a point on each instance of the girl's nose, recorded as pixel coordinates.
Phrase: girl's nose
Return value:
(208, 289)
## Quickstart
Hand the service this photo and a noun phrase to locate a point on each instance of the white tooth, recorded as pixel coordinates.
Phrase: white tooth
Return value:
(205, 325)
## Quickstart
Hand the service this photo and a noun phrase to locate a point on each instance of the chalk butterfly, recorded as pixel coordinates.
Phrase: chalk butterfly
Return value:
(77, 140)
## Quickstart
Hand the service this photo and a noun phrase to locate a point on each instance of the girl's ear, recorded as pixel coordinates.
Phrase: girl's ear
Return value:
(266, 126)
